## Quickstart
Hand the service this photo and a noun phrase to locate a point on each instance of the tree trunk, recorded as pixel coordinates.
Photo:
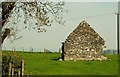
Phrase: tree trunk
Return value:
(7, 7)
(0, 33)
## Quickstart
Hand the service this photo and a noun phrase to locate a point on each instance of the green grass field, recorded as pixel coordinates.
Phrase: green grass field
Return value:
(45, 64)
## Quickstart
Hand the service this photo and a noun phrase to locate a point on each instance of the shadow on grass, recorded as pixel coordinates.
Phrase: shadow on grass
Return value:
(56, 58)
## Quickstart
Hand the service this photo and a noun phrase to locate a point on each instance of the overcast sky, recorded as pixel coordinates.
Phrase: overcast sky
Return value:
(100, 15)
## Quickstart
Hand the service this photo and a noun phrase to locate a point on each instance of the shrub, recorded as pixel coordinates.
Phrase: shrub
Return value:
(8, 56)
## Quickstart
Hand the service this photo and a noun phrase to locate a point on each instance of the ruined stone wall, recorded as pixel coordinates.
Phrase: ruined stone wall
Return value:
(84, 44)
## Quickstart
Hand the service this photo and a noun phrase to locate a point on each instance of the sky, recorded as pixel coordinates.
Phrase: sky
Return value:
(100, 15)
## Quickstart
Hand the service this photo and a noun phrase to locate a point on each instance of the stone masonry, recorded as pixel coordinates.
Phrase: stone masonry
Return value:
(83, 44)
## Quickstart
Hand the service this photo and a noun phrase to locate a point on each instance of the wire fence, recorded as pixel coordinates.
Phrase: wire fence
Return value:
(110, 51)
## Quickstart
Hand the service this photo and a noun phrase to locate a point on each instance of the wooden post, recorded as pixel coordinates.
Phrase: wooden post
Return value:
(9, 69)
(12, 72)
(0, 63)
(18, 75)
(22, 68)
(118, 23)
(118, 32)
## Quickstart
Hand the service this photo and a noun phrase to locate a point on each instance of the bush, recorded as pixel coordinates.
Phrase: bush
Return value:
(8, 56)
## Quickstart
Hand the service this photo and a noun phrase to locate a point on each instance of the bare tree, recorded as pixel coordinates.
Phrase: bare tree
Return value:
(44, 12)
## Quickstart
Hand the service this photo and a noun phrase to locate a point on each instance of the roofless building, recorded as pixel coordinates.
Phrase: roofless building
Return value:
(84, 43)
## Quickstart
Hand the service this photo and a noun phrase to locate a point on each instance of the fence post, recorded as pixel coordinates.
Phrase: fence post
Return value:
(18, 74)
(12, 72)
(22, 68)
(9, 69)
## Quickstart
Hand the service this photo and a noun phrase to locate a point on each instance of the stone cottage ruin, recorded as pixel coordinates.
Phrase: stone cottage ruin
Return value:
(83, 44)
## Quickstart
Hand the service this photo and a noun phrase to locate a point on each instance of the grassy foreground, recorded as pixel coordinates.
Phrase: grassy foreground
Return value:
(45, 64)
